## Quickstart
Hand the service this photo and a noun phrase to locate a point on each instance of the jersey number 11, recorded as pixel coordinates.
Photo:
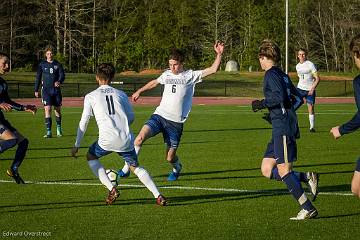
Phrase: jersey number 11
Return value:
(110, 104)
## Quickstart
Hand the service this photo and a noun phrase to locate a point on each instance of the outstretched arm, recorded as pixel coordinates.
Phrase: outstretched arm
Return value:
(150, 85)
(315, 83)
(219, 49)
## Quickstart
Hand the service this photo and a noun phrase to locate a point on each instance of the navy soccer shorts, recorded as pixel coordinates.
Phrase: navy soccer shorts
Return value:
(310, 99)
(4, 124)
(358, 165)
(51, 97)
(171, 131)
(282, 148)
(130, 157)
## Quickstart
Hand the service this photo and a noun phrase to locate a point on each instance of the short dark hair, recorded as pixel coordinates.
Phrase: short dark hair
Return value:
(4, 55)
(177, 55)
(105, 71)
(270, 49)
(355, 46)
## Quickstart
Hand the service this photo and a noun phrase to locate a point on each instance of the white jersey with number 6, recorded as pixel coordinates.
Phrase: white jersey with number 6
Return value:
(178, 92)
(113, 114)
(305, 72)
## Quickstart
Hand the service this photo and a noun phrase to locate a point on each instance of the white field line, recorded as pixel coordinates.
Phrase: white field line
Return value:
(177, 187)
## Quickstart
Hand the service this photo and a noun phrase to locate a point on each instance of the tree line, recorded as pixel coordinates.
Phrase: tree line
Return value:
(139, 34)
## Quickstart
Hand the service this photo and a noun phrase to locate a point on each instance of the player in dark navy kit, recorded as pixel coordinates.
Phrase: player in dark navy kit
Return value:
(9, 136)
(282, 99)
(51, 75)
(354, 123)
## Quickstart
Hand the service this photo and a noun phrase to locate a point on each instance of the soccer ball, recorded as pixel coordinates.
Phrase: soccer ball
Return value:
(113, 176)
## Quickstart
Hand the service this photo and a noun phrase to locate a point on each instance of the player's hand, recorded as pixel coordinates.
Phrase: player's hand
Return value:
(30, 108)
(36, 94)
(57, 84)
(74, 151)
(335, 132)
(135, 96)
(311, 92)
(219, 47)
(257, 105)
(6, 107)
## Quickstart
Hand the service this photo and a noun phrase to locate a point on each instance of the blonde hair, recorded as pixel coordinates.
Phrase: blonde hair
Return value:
(47, 49)
(270, 50)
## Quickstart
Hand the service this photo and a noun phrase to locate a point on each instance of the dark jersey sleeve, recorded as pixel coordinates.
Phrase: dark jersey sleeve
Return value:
(273, 90)
(4, 97)
(354, 123)
(296, 98)
(38, 77)
(351, 125)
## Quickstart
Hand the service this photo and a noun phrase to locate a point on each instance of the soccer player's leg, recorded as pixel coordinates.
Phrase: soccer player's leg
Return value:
(93, 155)
(151, 128)
(132, 161)
(285, 153)
(47, 102)
(7, 139)
(57, 101)
(268, 164)
(172, 136)
(310, 100)
(20, 153)
(355, 182)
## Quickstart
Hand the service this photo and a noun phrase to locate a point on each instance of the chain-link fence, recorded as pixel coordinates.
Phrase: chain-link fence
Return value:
(207, 88)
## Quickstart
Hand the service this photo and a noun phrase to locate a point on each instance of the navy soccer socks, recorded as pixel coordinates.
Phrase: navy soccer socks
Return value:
(294, 187)
(300, 175)
(48, 124)
(20, 154)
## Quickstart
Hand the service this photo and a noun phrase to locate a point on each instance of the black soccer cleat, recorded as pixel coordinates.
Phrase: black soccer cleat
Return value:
(15, 176)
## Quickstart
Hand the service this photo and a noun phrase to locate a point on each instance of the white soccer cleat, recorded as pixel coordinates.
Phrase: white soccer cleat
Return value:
(304, 214)
(313, 181)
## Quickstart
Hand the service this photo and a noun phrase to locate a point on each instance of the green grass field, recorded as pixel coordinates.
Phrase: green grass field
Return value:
(220, 195)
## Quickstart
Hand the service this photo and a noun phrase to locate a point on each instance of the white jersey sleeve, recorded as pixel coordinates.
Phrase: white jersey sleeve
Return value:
(178, 92)
(85, 117)
(305, 71)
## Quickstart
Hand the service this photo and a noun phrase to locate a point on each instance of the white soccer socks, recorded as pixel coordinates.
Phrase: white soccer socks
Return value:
(99, 171)
(146, 179)
(312, 121)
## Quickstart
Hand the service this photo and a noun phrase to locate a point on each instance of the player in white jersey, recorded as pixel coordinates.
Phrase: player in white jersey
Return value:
(174, 108)
(308, 81)
(113, 114)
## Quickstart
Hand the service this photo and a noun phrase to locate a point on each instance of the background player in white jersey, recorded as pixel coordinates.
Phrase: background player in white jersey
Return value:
(175, 106)
(308, 81)
(113, 114)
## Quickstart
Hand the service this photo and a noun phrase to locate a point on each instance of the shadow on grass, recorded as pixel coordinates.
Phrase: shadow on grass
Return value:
(173, 201)
(338, 216)
(229, 129)
(325, 164)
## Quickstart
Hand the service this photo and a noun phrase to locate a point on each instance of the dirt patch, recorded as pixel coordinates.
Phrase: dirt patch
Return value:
(151, 71)
(127, 73)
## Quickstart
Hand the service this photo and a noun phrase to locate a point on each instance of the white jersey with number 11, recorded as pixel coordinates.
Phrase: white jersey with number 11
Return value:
(113, 114)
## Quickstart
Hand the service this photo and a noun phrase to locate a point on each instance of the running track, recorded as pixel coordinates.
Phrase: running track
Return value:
(153, 101)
